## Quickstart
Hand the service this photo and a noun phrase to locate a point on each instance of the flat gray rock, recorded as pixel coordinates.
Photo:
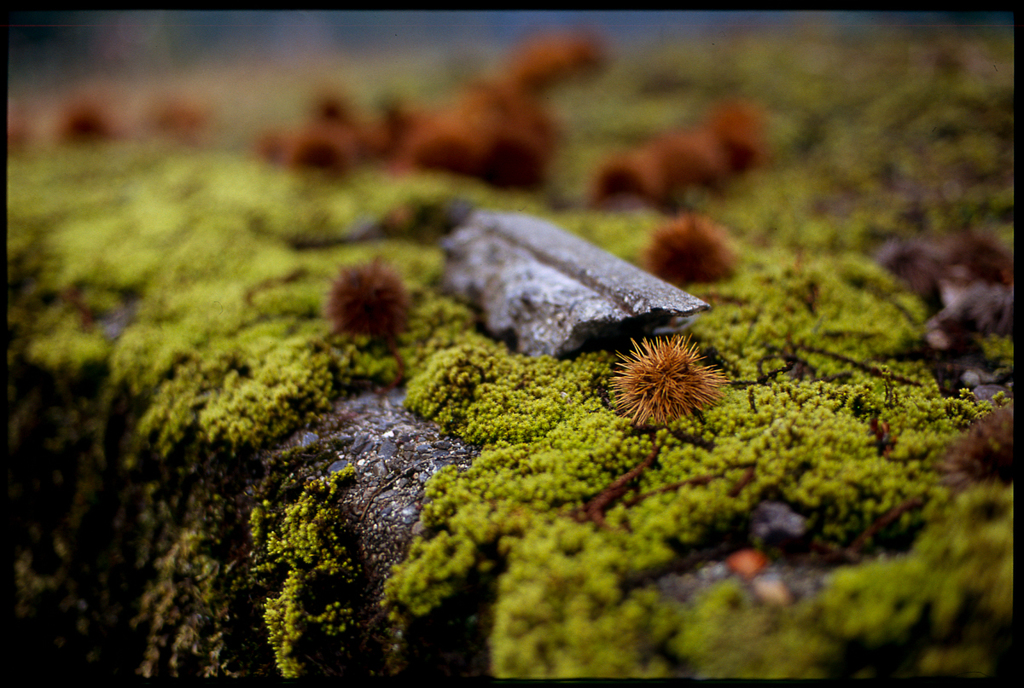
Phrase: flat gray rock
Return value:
(545, 291)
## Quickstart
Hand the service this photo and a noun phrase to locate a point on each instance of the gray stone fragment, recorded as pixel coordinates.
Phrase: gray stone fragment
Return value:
(115, 321)
(308, 438)
(989, 392)
(774, 523)
(545, 291)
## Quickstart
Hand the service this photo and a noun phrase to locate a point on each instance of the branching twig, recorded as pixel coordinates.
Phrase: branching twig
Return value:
(764, 378)
(595, 508)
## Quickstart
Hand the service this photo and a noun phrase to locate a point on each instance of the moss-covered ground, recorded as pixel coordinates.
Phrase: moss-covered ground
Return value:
(165, 329)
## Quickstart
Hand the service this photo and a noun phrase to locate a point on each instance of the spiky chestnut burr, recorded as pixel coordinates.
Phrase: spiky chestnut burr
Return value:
(661, 380)
(367, 299)
(983, 453)
(324, 145)
(370, 300)
(87, 118)
(631, 176)
(690, 248)
(739, 126)
(548, 58)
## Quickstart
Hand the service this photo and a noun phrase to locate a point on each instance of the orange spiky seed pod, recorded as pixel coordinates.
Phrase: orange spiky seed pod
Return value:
(86, 118)
(690, 248)
(739, 126)
(367, 299)
(637, 174)
(691, 158)
(502, 101)
(662, 380)
(493, 133)
(324, 146)
(180, 117)
(984, 453)
(444, 141)
(514, 159)
(548, 58)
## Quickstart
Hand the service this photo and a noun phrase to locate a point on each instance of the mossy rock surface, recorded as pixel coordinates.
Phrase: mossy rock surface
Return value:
(166, 337)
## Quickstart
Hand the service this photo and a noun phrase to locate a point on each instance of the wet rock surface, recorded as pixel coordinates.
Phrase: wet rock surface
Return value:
(393, 453)
(545, 291)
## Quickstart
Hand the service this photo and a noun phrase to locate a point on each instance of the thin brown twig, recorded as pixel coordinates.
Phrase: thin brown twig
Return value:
(595, 508)
(745, 479)
(273, 282)
(764, 378)
(874, 370)
(699, 480)
(881, 522)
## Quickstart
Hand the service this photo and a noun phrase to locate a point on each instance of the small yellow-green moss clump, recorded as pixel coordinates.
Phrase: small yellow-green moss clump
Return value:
(785, 304)
(999, 350)
(237, 401)
(302, 544)
(561, 610)
(944, 609)
(481, 392)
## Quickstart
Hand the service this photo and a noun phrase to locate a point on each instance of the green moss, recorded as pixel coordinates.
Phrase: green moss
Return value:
(225, 352)
(944, 609)
(726, 609)
(810, 444)
(479, 391)
(435, 323)
(552, 443)
(219, 348)
(239, 401)
(454, 562)
(782, 304)
(303, 543)
(66, 348)
(560, 610)
(998, 349)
